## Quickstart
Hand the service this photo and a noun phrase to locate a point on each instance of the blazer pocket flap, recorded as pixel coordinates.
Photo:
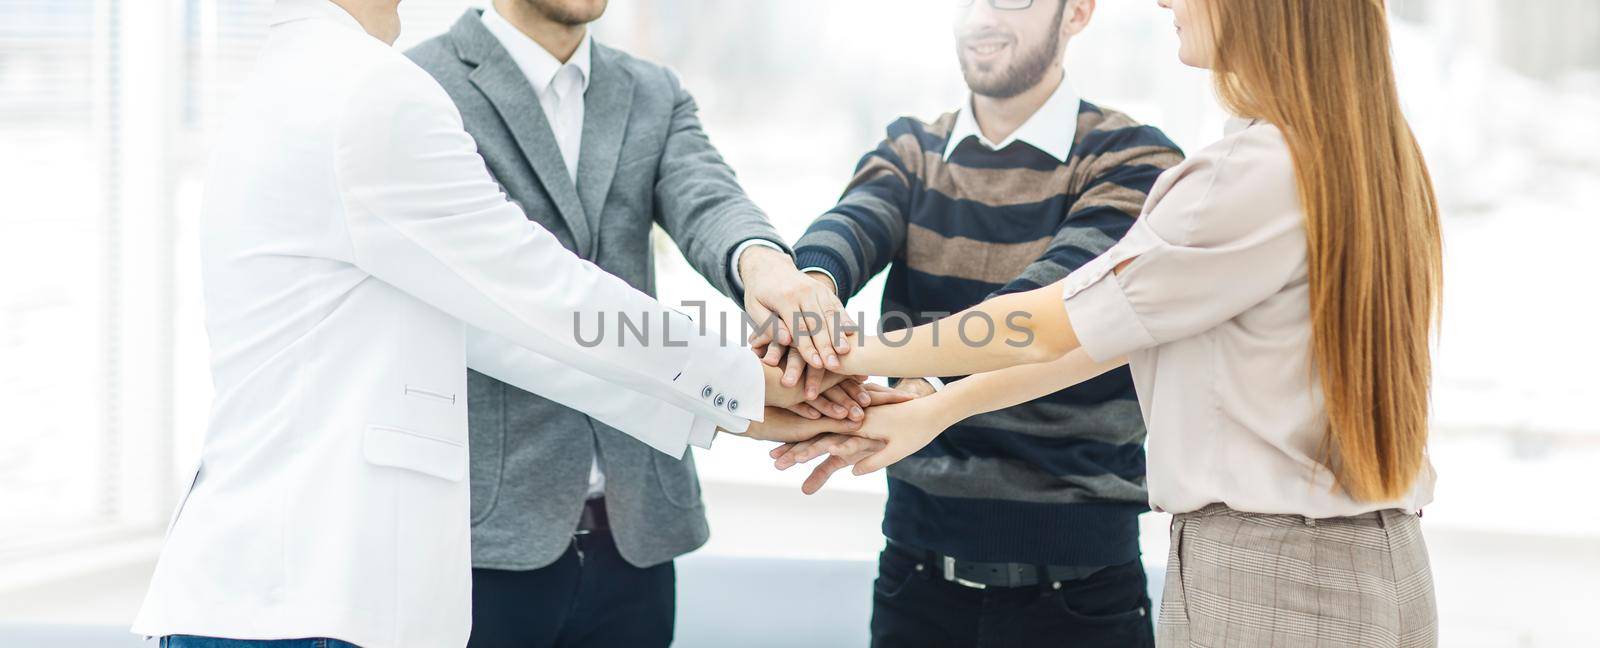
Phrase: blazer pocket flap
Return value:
(429, 455)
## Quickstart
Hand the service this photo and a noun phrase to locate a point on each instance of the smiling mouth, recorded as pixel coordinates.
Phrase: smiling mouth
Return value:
(987, 48)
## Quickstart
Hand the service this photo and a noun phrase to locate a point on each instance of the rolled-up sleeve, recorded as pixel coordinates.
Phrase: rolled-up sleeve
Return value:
(1219, 239)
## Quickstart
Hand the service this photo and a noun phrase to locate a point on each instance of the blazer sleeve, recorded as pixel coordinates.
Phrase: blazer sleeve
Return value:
(651, 420)
(423, 214)
(699, 202)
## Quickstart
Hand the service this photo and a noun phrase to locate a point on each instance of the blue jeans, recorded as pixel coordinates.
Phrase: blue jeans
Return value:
(187, 641)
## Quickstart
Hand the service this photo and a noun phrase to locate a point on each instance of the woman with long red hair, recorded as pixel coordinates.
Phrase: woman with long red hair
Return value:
(1275, 303)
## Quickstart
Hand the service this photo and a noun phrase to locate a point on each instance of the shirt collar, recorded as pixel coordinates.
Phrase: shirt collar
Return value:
(1050, 129)
(284, 11)
(536, 62)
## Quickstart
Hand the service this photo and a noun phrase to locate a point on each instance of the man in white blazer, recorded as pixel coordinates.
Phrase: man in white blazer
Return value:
(357, 259)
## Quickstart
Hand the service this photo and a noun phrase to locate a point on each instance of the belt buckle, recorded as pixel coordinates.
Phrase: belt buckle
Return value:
(950, 574)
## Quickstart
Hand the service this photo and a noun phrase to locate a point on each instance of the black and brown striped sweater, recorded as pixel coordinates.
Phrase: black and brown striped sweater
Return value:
(1056, 481)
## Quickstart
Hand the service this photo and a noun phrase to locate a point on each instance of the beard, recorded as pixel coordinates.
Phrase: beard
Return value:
(1027, 68)
(560, 13)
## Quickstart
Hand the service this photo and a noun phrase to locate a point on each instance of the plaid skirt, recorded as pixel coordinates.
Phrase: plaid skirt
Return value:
(1243, 580)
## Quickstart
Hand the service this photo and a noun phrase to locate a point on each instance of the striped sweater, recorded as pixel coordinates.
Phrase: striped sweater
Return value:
(1056, 481)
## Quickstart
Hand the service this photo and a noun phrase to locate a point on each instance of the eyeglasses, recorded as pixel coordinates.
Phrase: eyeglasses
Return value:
(1002, 5)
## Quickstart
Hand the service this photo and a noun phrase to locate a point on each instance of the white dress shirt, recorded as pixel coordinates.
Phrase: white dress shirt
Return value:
(559, 86)
(1214, 316)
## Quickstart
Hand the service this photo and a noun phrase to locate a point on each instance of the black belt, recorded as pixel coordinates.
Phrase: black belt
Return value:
(593, 517)
(982, 575)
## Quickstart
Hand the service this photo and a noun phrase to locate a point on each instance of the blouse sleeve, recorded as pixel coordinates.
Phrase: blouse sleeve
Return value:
(1222, 233)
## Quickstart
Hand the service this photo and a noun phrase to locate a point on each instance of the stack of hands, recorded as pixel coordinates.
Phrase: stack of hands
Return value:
(814, 409)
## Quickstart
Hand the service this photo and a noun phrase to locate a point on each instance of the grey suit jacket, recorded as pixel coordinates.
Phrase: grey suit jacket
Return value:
(644, 160)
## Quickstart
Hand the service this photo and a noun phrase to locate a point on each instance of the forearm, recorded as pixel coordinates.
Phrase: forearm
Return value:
(841, 242)
(909, 427)
(1017, 329)
(997, 390)
(700, 203)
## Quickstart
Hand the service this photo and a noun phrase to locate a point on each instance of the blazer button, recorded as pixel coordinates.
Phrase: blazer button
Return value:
(733, 405)
(720, 400)
(706, 392)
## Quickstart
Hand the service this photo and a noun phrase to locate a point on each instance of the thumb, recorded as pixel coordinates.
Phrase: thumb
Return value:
(872, 464)
(762, 335)
(841, 426)
(887, 396)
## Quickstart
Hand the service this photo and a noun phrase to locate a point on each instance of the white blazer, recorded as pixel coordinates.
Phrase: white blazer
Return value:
(357, 257)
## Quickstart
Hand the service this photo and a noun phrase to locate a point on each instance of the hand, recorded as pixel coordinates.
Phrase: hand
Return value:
(824, 393)
(841, 401)
(844, 449)
(791, 396)
(904, 428)
(777, 292)
(781, 425)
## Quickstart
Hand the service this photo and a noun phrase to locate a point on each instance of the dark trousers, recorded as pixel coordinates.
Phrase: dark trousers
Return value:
(190, 641)
(590, 597)
(916, 608)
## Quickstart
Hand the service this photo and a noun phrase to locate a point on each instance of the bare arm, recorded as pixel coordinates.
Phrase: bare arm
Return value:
(1009, 330)
(998, 390)
(907, 427)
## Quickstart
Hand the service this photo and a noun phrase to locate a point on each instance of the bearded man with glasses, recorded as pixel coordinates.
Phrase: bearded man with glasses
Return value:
(1018, 527)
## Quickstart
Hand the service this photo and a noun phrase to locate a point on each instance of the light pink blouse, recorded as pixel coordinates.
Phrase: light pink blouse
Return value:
(1214, 317)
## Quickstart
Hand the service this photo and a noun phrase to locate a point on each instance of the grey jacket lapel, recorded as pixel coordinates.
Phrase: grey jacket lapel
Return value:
(605, 121)
(502, 82)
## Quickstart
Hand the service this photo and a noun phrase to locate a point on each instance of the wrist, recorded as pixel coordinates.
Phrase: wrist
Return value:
(824, 279)
(858, 361)
(943, 410)
(759, 258)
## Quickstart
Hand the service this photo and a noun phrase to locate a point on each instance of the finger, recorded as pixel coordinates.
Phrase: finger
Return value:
(781, 328)
(820, 447)
(846, 323)
(773, 354)
(778, 450)
(829, 408)
(802, 453)
(844, 401)
(805, 337)
(762, 335)
(857, 391)
(888, 396)
(793, 368)
(824, 338)
(820, 474)
(761, 338)
(806, 430)
(791, 456)
(855, 448)
(805, 410)
(875, 462)
(814, 386)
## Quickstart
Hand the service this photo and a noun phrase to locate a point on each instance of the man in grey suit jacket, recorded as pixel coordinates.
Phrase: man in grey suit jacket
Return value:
(575, 525)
